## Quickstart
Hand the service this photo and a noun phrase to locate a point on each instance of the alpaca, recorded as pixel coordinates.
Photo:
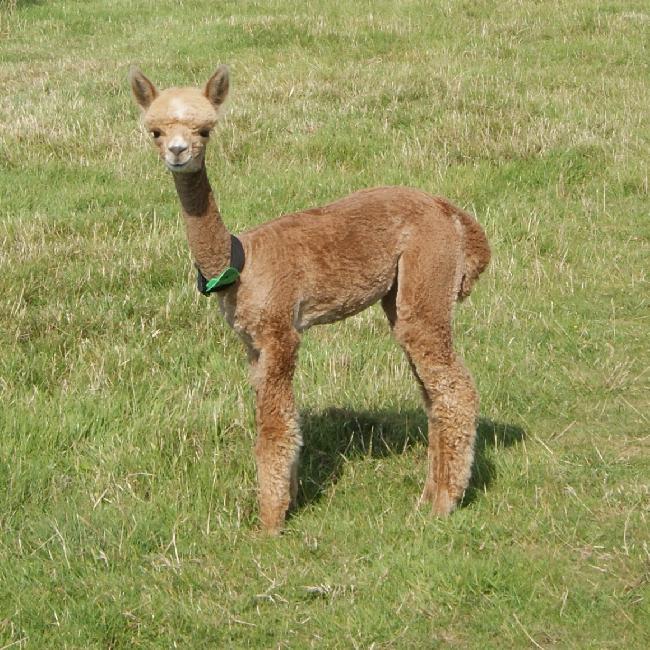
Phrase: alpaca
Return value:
(416, 253)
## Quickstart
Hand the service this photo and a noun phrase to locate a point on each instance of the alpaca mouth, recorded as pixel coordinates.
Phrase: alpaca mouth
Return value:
(176, 167)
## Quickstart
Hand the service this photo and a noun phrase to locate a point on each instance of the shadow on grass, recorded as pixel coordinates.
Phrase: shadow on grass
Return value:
(333, 436)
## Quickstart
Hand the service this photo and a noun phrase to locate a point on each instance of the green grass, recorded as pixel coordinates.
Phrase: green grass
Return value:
(127, 487)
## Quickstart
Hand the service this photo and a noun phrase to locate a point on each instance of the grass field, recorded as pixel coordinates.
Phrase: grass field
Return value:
(127, 485)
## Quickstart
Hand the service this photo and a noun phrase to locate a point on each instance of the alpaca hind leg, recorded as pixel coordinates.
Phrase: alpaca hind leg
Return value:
(421, 322)
(389, 305)
(452, 431)
(279, 440)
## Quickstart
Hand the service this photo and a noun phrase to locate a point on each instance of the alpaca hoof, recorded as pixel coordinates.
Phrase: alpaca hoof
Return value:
(442, 504)
(273, 520)
(272, 528)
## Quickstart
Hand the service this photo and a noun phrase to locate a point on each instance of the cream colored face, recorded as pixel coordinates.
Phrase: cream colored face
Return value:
(180, 119)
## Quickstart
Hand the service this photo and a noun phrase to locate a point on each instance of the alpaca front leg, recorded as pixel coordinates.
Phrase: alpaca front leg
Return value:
(277, 462)
(278, 433)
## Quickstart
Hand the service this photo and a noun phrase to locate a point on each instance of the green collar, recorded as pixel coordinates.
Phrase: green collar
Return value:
(228, 276)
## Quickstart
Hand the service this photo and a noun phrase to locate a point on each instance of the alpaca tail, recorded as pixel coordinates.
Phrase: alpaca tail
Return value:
(476, 252)
(474, 245)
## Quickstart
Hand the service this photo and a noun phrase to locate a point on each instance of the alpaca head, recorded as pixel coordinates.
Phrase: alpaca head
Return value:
(180, 119)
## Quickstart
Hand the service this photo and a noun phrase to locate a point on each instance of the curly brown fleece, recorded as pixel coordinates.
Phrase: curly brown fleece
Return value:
(415, 253)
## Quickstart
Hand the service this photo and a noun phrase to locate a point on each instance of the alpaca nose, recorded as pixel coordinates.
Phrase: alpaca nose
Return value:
(177, 147)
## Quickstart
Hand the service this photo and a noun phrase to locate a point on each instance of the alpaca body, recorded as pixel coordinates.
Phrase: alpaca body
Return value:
(356, 244)
(416, 253)
(329, 242)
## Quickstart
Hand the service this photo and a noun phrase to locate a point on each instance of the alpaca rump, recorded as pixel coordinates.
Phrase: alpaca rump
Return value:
(415, 253)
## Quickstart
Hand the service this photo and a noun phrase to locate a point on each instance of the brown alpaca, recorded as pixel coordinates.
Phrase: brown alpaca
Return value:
(416, 253)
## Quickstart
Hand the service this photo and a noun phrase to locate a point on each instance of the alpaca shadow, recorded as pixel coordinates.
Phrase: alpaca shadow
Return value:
(335, 435)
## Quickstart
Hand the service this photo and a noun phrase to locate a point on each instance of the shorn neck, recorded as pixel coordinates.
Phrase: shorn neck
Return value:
(207, 236)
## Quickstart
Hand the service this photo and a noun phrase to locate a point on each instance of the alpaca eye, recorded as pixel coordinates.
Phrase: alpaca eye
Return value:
(204, 133)
(155, 133)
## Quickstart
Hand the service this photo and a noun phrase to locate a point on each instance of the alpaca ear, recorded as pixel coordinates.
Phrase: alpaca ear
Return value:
(216, 89)
(144, 92)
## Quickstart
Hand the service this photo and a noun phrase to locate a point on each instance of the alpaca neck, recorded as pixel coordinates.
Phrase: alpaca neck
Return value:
(207, 236)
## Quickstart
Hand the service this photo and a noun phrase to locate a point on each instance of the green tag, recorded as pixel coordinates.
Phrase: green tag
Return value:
(225, 278)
